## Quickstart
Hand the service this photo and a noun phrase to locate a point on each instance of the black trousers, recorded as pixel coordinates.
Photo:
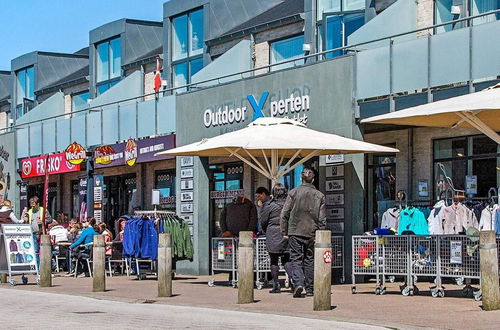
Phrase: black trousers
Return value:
(302, 259)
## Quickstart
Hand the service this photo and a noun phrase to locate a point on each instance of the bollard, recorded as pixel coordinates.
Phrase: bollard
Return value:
(322, 271)
(45, 262)
(99, 264)
(245, 268)
(489, 270)
(3, 278)
(165, 266)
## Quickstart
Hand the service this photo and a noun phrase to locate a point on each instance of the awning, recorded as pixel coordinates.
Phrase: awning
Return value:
(480, 110)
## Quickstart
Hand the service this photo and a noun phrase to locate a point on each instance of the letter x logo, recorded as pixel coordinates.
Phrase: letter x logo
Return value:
(257, 108)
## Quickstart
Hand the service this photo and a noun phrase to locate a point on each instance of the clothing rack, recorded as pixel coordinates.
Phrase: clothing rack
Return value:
(154, 213)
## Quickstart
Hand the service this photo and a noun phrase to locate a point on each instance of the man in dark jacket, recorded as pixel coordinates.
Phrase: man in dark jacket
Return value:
(303, 214)
(240, 215)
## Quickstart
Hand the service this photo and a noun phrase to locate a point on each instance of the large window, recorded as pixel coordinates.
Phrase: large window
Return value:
(287, 49)
(108, 64)
(337, 20)
(187, 47)
(484, 6)
(25, 90)
(165, 183)
(476, 157)
(79, 101)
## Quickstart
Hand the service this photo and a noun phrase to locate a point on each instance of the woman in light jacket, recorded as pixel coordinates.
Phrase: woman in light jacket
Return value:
(276, 245)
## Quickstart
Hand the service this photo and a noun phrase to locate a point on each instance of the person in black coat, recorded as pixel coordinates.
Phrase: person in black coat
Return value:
(276, 245)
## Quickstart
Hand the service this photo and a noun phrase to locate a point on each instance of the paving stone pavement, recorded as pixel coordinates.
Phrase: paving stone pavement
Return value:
(40, 310)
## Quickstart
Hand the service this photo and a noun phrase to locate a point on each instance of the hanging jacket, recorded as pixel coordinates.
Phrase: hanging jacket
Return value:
(454, 217)
(487, 221)
(390, 219)
(436, 218)
(413, 220)
(470, 219)
(148, 240)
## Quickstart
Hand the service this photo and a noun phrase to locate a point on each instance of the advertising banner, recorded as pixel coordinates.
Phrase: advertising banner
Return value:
(19, 248)
(133, 151)
(32, 167)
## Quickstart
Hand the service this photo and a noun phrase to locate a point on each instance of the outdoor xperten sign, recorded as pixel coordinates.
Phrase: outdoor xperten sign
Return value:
(133, 151)
(294, 106)
(32, 167)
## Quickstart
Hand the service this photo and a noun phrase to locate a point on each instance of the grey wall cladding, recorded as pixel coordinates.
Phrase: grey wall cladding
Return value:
(5, 84)
(141, 40)
(52, 68)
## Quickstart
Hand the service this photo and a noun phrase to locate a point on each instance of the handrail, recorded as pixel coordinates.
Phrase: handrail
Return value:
(253, 70)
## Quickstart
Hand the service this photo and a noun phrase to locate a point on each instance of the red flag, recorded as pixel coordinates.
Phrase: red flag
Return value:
(45, 195)
(157, 76)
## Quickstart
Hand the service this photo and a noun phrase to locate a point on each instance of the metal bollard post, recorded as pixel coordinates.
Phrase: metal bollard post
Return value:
(45, 262)
(3, 278)
(99, 264)
(322, 271)
(165, 266)
(488, 255)
(245, 268)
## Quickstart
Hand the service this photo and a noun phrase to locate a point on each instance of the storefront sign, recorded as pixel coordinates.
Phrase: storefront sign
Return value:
(471, 184)
(292, 106)
(187, 196)
(187, 184)
(334, 185)
(188, 218)
(226, 194)
(133, 152)
(19, 248)
(130, 152)
(187, 161)
(335, 227)
(187, 207)
(32, 167)
(332, 159)
(187, 173)
(98, 196)
(337, 170)
(335, 213)
(75, 153)
(334, 199)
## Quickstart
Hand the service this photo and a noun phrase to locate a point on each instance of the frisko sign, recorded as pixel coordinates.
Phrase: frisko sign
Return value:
(295, 105)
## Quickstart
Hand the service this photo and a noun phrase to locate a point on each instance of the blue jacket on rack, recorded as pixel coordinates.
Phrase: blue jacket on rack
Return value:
(140, 239)
(412, 219)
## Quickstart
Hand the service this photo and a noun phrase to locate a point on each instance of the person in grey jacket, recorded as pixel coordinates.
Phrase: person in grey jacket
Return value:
(303, 214)
(276, 245)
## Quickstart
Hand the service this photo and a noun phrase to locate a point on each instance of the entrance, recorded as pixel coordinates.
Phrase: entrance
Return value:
(120, 197)
(226, 182)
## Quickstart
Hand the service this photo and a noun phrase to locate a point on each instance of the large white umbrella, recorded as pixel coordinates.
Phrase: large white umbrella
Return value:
(480, 110)
(268, 141)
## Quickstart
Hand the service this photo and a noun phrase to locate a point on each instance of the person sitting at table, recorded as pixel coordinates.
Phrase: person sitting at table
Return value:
(81, 247)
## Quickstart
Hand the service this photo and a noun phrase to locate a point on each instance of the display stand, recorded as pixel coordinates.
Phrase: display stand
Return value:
(17, 252)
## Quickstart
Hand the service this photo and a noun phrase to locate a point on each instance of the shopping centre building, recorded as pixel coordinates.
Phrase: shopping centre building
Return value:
(222, 67)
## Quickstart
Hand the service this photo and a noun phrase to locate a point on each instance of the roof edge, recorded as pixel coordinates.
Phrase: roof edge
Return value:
(255, 29)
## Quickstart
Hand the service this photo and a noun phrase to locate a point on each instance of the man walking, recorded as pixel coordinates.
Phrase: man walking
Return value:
(303, 214)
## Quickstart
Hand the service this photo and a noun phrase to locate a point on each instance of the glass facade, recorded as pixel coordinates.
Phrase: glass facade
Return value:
(456, 158)
(165, 183)
(25, 90)
(79, 101)
(337, 20)
(187, 47)
(286, 49)
(484, 6)
(108, 64)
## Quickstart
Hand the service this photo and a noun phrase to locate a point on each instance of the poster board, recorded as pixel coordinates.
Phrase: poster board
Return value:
(17, 250)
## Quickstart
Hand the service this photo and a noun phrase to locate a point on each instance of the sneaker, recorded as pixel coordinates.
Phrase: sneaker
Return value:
(309, 293)
(70, 274)
(81, 275)
(276, 289)
(297, 293)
